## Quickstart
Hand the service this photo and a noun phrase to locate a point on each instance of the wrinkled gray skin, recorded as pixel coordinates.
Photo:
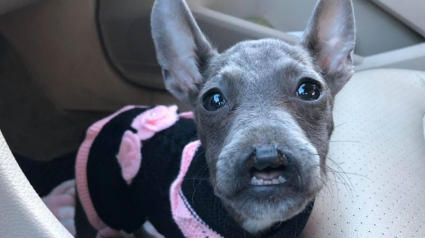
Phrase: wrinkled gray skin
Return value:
(259, 80)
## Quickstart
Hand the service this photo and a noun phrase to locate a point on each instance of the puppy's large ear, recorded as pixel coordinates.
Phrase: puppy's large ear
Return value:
(181, 48)
(330, 38)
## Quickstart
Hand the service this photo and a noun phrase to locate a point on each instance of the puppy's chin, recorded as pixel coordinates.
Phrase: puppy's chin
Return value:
(273, 213)
(257, 208)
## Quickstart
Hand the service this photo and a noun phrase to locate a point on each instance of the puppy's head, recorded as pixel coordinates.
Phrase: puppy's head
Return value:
(263, 108)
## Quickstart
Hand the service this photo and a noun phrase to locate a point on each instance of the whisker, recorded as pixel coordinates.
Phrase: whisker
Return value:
(340, 124)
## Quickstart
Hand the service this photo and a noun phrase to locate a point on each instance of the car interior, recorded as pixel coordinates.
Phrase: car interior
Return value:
(65, 64)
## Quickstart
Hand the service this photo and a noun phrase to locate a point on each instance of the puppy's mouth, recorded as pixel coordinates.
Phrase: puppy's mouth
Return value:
(268, 176)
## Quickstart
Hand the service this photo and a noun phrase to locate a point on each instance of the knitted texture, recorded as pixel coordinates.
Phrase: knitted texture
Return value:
(188, 221)
(81, 169)
(207, 207)
(170, 188)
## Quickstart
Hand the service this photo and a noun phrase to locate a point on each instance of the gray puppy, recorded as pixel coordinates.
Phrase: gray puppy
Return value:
(263, 107)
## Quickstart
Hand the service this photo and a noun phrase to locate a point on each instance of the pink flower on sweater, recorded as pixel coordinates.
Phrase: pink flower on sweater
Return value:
(154, 120)
(147, 124)
(129, 156)
(187, 115)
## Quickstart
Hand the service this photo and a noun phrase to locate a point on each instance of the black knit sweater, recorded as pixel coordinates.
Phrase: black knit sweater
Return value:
(127, 207)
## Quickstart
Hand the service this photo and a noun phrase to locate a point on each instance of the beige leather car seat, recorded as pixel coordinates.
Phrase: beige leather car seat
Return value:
(377, 156)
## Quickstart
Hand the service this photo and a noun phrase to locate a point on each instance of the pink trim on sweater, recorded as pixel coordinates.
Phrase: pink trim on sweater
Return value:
(190, 225)
(81, 172)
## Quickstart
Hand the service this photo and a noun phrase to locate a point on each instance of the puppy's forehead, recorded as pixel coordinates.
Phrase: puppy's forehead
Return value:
(255, 51)
(258, 59)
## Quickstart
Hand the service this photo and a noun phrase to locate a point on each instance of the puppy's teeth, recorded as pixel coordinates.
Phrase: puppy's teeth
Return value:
(260, 181)
(275, 181)
(267, 182)
(281, 179)
(254, 180)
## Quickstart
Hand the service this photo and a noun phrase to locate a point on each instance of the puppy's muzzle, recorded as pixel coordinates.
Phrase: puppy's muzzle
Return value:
(267, 165)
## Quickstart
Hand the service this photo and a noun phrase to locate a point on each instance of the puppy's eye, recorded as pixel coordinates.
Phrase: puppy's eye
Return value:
(309, 91)
(213, 101)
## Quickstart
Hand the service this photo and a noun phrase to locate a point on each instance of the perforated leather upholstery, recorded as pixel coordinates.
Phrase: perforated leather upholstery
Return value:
(377, 188)
(22, 213)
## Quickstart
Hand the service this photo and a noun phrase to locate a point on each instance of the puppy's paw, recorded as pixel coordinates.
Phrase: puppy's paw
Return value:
(61, 202)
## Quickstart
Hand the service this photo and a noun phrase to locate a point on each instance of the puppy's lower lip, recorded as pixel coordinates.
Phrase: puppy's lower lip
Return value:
(260, 181)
